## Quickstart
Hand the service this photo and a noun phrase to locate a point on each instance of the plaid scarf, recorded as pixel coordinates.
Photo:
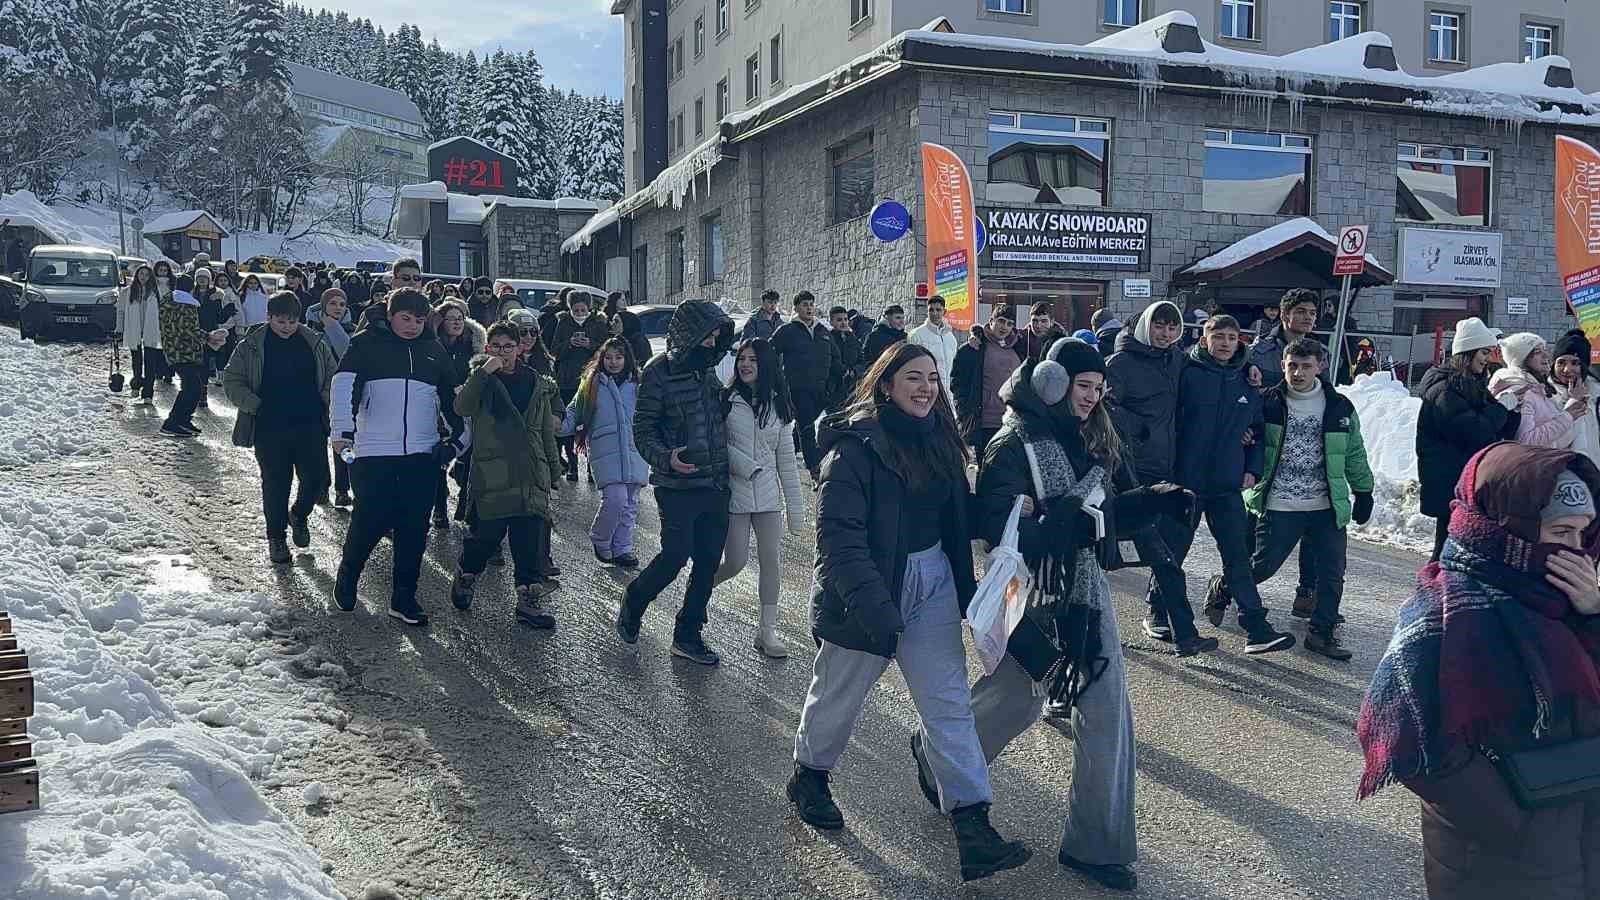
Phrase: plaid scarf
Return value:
(1485, 653)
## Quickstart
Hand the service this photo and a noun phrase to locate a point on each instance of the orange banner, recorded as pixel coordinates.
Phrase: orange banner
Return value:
(952, 234)
(1578, 233)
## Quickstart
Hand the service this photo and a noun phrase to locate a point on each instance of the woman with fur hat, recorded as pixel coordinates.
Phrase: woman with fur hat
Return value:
(1544, 424)
(1059, 451)
(1495, 658)
(1574, 383)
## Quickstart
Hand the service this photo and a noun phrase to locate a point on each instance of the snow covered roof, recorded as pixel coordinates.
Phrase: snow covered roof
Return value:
(1269, 244)
(309, 82)
(427, 190)
(181, 221)
(601, 220)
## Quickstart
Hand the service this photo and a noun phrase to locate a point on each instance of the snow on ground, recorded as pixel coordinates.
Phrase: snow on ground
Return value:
(1388, 415)
(160, 703)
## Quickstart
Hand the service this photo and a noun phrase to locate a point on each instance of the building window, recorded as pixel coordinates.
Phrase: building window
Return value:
(860, 11)
(1444, 185)
(1257, 172)
(722, 17)
(699, 35)
(672, 133)
(1238, 20)
(711, 248)
(752, 78)
(1444, 37)
(672, 53)
(1122, 13)
(680, 130)
(775, 59)
(1538, 41)
(639, 275)
(677, 57)
(675, 261)
(1344, 19)
(699, 117)
(852, 178)
(1016, 7)
(1036, 158)
(722, 99)
(751, 4)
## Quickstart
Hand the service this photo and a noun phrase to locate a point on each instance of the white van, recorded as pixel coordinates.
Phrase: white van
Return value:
(533, 293)
(69, 286)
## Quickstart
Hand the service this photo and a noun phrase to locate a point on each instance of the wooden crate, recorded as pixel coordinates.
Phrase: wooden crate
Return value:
(10, 728)
(8, 643)
(16, 695)
(19, 789)
(15, 751)
(5, 623)
(14, 661)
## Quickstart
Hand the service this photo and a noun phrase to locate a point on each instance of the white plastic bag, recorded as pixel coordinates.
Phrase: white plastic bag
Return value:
(1002, 596)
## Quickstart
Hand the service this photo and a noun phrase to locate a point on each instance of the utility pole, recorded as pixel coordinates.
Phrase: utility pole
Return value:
(116, 139)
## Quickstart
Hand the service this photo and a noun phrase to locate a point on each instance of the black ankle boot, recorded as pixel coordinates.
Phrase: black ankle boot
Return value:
(983, 851)
(813, 800)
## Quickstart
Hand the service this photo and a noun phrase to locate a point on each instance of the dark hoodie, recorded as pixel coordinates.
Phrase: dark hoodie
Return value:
(680, 401)
(861, 557)
(1216, 406)
(880, 339)
(1142, 389)
(1457, 419)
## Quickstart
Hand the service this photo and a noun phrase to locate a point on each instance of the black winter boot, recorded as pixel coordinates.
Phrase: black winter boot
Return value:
(983, 851)
(461, 589)
(813, 800)
(300, 530)
(278, 550)
(530, 611)
(344, 588)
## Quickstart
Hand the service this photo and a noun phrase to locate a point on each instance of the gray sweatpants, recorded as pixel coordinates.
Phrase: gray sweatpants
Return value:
(933, 660)
(1100, 825)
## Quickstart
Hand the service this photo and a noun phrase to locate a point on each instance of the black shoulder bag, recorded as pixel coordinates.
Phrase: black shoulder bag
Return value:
(1550, 776)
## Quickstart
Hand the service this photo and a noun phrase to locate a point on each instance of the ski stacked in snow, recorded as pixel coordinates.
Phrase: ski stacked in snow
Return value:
(19, 775)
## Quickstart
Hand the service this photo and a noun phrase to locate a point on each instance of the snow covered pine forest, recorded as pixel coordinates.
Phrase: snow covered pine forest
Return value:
(194, 95)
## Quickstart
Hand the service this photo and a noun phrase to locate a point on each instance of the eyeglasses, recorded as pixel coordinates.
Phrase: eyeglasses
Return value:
(482, 293)
(528, 332)
(502, 348)
(454, 320)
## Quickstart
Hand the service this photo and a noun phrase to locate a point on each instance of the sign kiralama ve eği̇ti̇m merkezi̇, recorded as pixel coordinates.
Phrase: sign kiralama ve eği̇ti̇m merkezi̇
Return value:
(1078, 240)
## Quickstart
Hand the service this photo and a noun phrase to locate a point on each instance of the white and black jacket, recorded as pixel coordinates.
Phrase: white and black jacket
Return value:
(389, 393)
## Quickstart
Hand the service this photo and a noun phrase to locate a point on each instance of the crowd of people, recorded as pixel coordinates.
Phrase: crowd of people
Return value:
(1111, 445)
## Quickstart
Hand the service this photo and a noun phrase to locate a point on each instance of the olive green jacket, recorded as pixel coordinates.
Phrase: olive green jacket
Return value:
(241, 381)
(515, 459)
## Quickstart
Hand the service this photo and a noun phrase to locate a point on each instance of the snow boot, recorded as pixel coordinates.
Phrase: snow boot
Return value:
(278, 550)
(983, 852)
(300, 531)
(694, 649)
(767, 640)
(625, 561)
(1217, 601)
(1326, 642)
(461, 589)
(530, 611)
(341, 498)
(813, 800)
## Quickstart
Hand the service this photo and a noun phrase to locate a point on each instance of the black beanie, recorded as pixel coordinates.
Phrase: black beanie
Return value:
(1573, 343)
(1076, 357)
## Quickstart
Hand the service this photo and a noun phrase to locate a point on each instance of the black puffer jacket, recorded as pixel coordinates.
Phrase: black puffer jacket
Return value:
(861, 559)
(966, 378)
(1458, 418)
(680, 401)
(1142, 385)
(881, 338)
(809, 359)
(570, 360)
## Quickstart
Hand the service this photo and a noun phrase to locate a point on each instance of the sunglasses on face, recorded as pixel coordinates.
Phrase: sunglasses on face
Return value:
(483, 293)
(528, 332)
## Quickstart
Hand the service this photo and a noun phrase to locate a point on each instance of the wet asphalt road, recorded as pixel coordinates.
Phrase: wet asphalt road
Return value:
(483, 760)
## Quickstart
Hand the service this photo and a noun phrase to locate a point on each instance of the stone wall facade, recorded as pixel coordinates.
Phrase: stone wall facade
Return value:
(523, 242)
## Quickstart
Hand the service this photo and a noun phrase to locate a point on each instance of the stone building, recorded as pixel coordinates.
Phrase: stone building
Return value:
(1237, 166)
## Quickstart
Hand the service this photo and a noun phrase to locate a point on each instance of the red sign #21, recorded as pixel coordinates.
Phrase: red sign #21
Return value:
(473, 173)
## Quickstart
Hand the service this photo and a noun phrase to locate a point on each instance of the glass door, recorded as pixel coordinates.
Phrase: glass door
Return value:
(1072, 303)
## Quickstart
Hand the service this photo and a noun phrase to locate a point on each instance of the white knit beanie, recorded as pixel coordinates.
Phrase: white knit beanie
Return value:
(1472, 334)
(1516, 348)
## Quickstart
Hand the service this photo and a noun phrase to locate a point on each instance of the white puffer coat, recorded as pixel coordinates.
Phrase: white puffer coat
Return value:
(763, 472)
(140, 323)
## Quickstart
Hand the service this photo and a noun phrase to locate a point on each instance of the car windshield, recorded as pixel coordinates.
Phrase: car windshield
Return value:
(74, 272)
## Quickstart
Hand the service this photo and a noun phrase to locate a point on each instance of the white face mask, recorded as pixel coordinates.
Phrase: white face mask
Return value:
(580, 319)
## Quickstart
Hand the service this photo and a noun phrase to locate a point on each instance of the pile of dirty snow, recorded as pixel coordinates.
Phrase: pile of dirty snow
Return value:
(1388, 415)
(160, 704)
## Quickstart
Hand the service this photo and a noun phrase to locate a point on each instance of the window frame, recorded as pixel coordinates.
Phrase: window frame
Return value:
(700, 35)
(1553, 40)
(699, 116)
(860, 12)
(775, 59)
(681, 129)
(989, 6)
(1256, 7)
(677, 56)
(1306, 149)
(724, 98)
(1138, 14)
(1340, 18)
(837, 159)
(1459, 29)
(724, 16)
(639, 273)
(752, 78)
(676, 272)
(1103, 133)
(1485, 159)
(714, 266)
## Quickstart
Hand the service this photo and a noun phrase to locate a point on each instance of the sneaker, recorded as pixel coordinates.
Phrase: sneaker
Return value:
(692, 648)
(572, 476)
(530, 611)
(1058, 709)
(300, 531)
(1116, 876)
(929, 792)
(604, 559)
(278, 550)
(1157, 630)
(1216, 601)
(1195, 646)
(461, 589)
(409, 612)
(626, 561)
(627, 624)
(191, 428)
(341, 499)
(1265, 640)
(344, 589)
(1327, 643)
(813, 800)
(176, 431)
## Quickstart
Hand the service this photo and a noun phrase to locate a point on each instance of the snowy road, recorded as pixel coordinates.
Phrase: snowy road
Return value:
(477, 759)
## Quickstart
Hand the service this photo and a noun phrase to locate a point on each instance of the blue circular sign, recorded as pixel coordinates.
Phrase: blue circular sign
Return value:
(983, 235)
(890, 221)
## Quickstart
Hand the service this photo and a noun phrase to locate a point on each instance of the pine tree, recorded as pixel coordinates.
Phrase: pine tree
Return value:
(146, 72)
(407, 64)
(259, 47)
(508, 96)
(539, 170)
(466, 96)
(601, 157)
(440, 70)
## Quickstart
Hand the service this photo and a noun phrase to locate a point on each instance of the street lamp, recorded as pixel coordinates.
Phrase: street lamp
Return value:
(116, 138)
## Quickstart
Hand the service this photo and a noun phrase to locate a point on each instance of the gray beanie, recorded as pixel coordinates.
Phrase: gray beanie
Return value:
(1570, 498)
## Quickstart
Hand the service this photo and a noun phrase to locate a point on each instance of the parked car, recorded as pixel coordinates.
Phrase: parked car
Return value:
(535, 292)
(264, 263)
(373, 266)
(127, 265)
(10, 298)
(68, 285)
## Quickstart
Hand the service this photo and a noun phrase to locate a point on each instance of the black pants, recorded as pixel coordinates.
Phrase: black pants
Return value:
(1317, 532)
(527, 546)
(1169, 591)
(1441, 530)
(194, 386)
(569, 445)
(391, 492)
(1307, 585)
(694, 526)
(1230, 525)
(341, 474)
(148, 365)
(284, 456)
(807, 406)
(441, 495)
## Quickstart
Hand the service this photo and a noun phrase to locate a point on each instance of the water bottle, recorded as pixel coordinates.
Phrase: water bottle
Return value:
(348, 454)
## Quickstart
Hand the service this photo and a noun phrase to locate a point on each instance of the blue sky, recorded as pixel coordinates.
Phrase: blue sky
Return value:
(579, 42)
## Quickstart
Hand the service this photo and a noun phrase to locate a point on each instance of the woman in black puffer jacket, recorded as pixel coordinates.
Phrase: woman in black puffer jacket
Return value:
(893, 579)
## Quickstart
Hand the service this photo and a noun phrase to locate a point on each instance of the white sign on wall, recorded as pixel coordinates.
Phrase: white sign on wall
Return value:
(1450, 258)
(1136, 288)
(1516, 306)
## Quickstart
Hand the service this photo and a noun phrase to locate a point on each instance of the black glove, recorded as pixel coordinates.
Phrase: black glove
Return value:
(1138, 509)
(1066, 526)
(1363, 507)
(881, 621)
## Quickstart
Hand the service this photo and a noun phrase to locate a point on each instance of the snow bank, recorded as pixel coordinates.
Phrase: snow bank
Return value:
(1388, 415)
(159, 703)
(75, 224)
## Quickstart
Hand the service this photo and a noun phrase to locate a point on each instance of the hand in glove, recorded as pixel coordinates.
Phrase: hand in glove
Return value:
(1066, 526)
(881, 620)
(1362, 511)
(444, 452)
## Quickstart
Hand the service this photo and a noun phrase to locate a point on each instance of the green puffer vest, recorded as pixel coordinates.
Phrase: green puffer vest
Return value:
(1344, 455)
(515, 459)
